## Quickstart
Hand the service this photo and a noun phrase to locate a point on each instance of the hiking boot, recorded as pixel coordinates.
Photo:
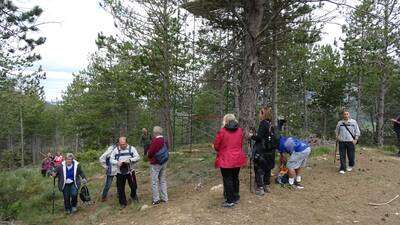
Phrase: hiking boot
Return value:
(266, 189)
(299, 186)
(74, 210)
(260, 191)
(342, 172)
(349, 169)
(103, 199)
(68, 212)
(156, 202)
(122, 207)
(228, 205)
(135, 199)
(163, 201)
(237, 200)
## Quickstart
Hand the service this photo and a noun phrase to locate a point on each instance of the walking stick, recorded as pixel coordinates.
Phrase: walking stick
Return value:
(250, 164)
(54, 193)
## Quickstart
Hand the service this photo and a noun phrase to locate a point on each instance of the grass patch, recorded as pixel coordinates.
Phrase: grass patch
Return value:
(321, 151)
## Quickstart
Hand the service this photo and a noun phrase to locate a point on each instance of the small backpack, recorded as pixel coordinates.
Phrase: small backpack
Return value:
(84, 195)
(162, 156)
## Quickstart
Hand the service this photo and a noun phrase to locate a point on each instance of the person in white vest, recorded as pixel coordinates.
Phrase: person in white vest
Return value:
(124, 157)
(70, 177)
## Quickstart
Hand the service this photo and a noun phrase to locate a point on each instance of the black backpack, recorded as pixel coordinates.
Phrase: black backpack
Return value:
(84, 195)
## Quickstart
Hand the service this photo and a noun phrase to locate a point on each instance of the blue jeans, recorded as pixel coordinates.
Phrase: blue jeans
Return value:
(70, 193)
(107, 186)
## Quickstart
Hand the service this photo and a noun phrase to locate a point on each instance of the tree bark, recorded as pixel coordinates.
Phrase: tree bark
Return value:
(254, 13)
(275, 79)
(21, 123)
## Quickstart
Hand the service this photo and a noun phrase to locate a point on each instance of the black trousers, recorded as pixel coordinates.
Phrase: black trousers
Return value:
(230, 178)
(262, 174)
(121, 181)
(398, 140)
(346, 149)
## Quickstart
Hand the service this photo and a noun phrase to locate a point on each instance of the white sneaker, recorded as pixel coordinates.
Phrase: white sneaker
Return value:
(298, 179)
(342, 172)
(349, 169)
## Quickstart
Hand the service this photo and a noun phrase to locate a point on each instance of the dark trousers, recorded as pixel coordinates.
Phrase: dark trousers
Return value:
(121, 181)
(398, 140)
(107, 186)
(346, 149)
(262, 174)
(70, 193)
(230, 178)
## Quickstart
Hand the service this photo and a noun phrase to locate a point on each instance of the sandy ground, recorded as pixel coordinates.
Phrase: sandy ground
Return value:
(328, 198)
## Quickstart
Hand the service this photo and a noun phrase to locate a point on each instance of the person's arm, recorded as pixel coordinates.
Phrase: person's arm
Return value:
(395, 121)
(104, 156)
(337, 130)
(151, 151)
(80, 172)
(357, 129)
(113, 161)
(262, 131)
(136, 156)
(218, 141)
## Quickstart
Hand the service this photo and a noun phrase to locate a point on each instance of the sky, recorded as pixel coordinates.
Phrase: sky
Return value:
(71, 32)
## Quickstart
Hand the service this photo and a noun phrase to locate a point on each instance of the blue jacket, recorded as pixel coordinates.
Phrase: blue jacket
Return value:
(291, 144)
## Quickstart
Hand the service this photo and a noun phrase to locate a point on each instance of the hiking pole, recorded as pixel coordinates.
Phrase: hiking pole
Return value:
(250, 164)
(54, 193)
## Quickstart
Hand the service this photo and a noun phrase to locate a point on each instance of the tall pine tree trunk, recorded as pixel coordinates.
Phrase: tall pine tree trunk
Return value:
(254, 13)
(275, 78)
(381, 109)
(21, 123)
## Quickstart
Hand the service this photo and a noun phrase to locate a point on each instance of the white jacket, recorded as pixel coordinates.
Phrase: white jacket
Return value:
(128, 155)
(106, 162)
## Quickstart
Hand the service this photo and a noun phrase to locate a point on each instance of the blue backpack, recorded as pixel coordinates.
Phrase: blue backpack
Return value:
(162, 155)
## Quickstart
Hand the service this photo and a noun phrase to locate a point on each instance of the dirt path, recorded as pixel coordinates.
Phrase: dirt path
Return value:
(328, 198)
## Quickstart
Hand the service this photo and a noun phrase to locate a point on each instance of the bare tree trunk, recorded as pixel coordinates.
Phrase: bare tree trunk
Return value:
(21, 123)
(324, 126)
(305, 108)
(275, 80)
(254, 13)
(359, 96)
(167, 111)
(381, 109)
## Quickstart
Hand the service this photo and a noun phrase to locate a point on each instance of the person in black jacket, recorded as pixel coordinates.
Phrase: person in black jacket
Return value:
(264, 151)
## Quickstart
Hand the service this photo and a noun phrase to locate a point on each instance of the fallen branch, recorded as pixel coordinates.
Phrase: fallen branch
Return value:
(386, 203)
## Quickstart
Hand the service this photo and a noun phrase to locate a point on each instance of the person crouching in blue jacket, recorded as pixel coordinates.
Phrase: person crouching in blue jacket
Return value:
(299, 152)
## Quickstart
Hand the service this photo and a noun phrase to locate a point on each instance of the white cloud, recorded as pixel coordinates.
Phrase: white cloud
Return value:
(55, 84)
(71, 32)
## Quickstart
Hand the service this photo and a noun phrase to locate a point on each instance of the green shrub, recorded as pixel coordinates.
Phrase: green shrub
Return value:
(89, 155)
(390, 148)
(321, 150)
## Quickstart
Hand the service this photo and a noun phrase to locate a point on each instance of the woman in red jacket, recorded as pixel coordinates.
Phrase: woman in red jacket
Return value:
(230, 157)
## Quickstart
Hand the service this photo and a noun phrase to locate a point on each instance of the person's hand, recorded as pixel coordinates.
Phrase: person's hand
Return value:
(53, 174)
(84, 181)
(119, 163)
(355, 142)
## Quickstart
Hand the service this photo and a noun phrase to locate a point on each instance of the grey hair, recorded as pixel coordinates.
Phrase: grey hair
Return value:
(157, 130)
(70, 155)
(227, 118)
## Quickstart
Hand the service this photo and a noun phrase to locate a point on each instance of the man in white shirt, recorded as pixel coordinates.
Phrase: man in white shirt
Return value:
(124, 157)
